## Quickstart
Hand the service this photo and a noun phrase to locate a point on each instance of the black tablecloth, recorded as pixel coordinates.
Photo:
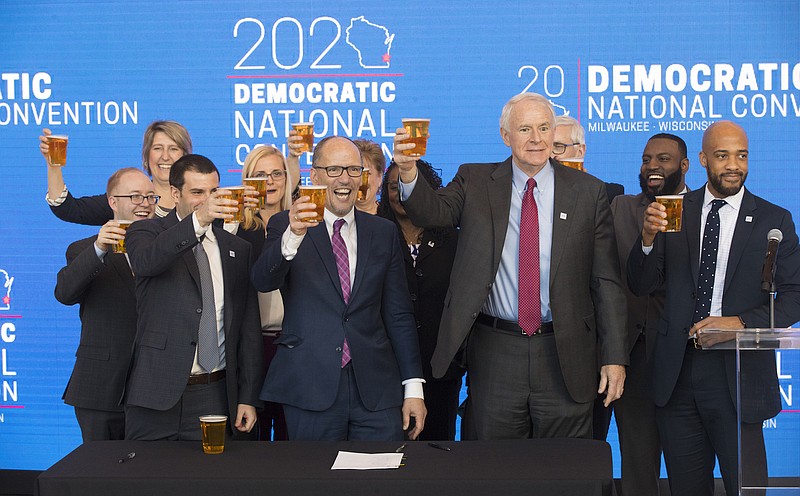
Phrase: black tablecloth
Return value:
(529, 467)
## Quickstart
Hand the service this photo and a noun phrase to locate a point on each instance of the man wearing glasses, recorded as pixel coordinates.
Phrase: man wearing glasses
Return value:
(102, 283)
(348, 364)
(570, 143)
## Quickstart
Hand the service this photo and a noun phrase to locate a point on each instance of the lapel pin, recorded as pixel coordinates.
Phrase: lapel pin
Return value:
(562, 216)
(431, 243)
(748, 218)
(232, 254)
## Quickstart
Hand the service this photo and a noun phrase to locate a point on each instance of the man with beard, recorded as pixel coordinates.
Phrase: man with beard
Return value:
(711, 270)
(663, 170)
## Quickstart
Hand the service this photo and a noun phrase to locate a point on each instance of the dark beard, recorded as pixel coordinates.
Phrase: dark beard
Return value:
(670, 186)
(716, 183)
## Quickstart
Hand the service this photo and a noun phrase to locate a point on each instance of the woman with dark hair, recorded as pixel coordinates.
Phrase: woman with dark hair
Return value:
(428, 261)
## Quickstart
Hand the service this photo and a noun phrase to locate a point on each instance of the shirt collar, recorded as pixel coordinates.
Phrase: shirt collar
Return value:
(544, 178)
(330, 218)
(734, 201)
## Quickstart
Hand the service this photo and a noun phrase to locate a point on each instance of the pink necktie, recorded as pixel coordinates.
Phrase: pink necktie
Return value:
(343, 267)
(530, 310)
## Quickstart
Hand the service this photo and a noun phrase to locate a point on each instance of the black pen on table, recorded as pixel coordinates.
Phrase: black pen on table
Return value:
(438, 446)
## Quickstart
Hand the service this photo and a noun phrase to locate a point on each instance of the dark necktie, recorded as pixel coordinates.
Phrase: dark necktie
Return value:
(708, 263)
(343, 267)
(207, 342)
(530, 310)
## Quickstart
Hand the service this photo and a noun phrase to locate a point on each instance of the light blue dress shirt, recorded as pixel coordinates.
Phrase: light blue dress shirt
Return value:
(503, 301)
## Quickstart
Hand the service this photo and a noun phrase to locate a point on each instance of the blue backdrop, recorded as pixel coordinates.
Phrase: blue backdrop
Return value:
(236, 73)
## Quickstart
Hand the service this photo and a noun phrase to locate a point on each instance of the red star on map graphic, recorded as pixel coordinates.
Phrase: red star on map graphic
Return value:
(386, 57)
(6, 300)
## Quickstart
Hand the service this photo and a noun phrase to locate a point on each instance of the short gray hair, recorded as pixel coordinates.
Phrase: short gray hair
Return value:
(578, 134)
(506, 113)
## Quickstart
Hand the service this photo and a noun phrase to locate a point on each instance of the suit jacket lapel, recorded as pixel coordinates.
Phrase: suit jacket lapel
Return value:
(364, 240)
(322, 242)
(692, 208)
(563, 213)
(426, 246)
(741, 235)
(123, 269)
(228, 274)
(498, 190)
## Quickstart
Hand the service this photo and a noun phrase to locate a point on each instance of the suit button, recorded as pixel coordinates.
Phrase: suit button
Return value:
(413, 296)
(419, 325)
(347, 319)
(183, 243)
(339, 349)
(474, 315)
(419, 272)
(199, 310)
(489, 286)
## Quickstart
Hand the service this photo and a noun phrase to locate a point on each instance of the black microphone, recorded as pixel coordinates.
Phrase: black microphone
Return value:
(774, 236)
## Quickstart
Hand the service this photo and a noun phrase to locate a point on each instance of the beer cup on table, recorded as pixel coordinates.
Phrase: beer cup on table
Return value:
(674, 206)
(306, 131)
(260, 185)
(213, 428)
(235, 193)
(363, 186)
(57, 150)
(417, 129)
(317, 195)
(573, 163)
(120, 246)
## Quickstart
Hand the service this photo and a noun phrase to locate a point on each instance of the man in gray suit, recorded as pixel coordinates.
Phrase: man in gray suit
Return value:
(198, 346)
(539, 314)
(102, 283)
(663, 172)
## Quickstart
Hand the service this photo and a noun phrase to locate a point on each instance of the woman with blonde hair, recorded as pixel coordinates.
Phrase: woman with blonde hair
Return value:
(282, 176)
(163, 143)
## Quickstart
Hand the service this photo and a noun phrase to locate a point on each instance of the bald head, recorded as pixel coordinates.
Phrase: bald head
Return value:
(725, 157)
(722, 129)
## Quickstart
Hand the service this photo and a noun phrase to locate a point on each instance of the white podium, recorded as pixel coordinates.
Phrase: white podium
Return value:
(785, 344)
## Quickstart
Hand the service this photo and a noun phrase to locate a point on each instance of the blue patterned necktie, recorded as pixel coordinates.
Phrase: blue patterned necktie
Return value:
(343, 267)
(207, 341)
(708, 262)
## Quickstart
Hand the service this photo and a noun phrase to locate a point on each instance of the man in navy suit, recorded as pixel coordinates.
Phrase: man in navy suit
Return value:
(102, 283)
(714, 281)
(348, 363)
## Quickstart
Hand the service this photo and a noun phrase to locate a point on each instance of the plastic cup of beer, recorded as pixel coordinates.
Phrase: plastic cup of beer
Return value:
(57, 150)
(120, 246)
(573, 163)
(418, 130)
(674, 206)
(235, 193)
(317, 194)
(306, 131)
(213, 427)
(260, 184)
(363, 186)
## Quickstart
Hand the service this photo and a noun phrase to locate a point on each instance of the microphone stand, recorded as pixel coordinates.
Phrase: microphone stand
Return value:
(772, 304)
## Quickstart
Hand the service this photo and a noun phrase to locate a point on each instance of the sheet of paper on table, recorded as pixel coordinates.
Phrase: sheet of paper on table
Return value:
(347, 460)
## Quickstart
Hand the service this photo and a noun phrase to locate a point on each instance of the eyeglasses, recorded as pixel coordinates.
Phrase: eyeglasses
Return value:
(138, 199)
(559, 148)
(336, 170)
(276, 175)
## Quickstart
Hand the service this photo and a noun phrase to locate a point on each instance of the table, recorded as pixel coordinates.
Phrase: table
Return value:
(525, 467)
